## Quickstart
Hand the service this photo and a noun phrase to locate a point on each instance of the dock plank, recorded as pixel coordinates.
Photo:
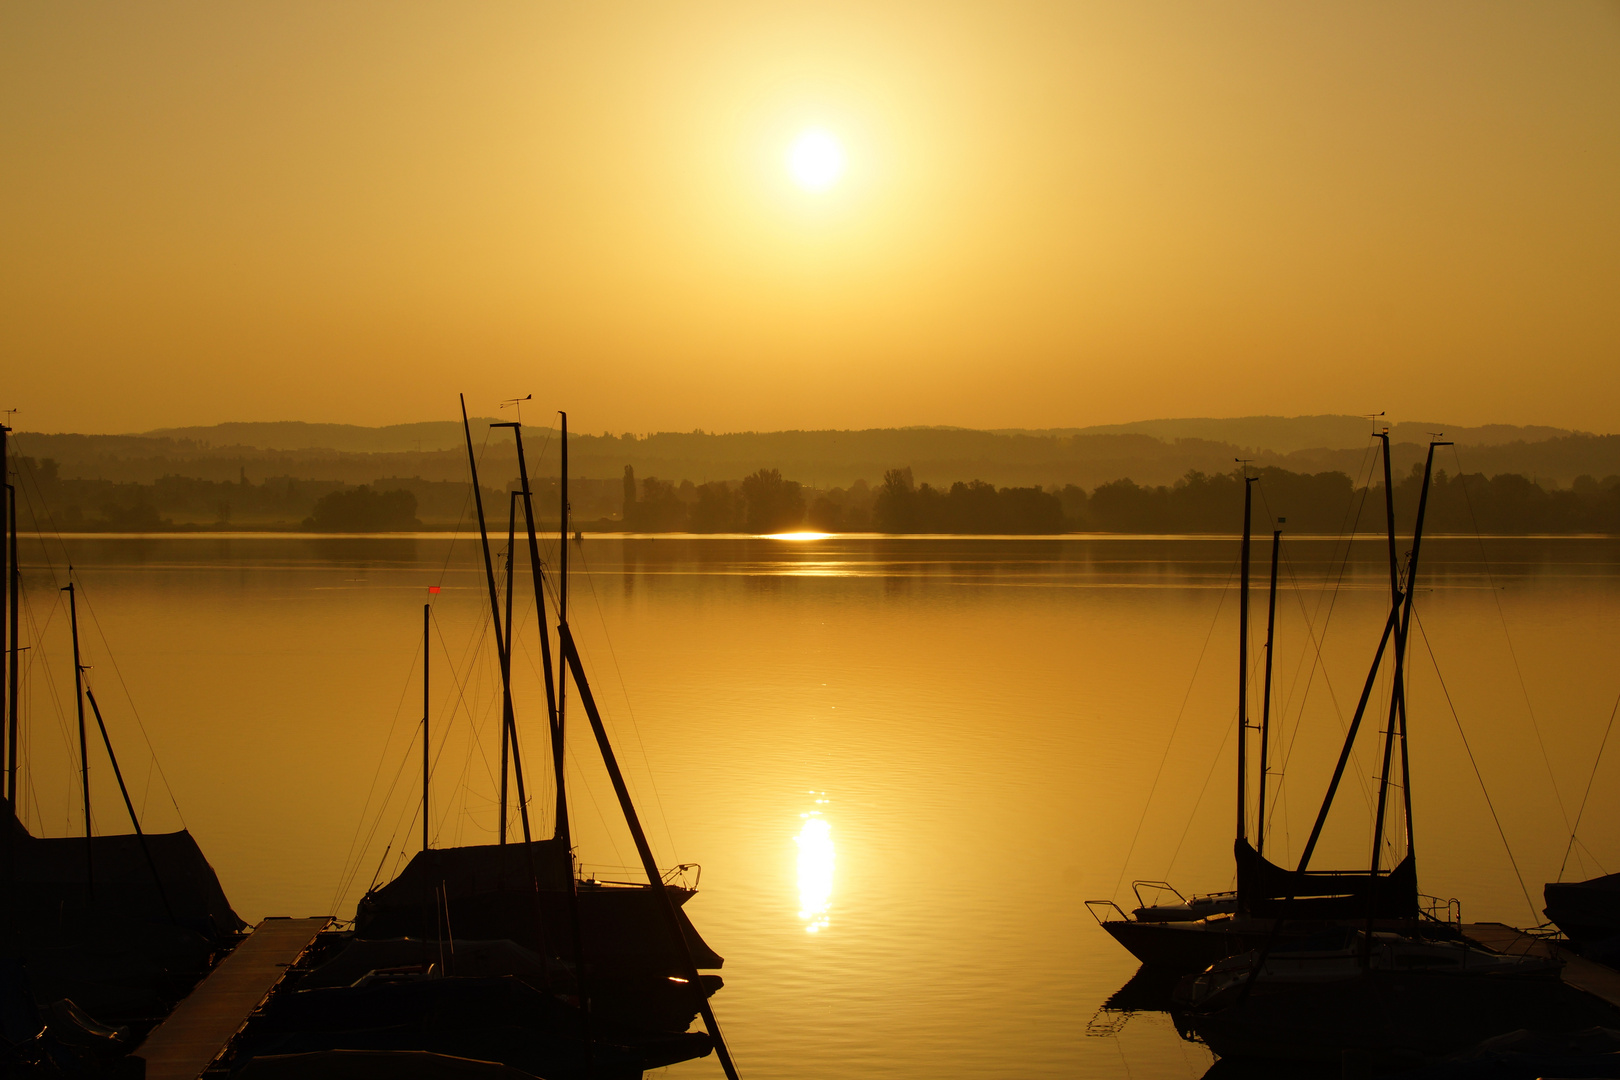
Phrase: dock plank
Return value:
(183, 1045)
(1583, 974)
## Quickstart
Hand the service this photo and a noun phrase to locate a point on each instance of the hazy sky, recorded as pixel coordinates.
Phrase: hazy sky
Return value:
(1052, 214)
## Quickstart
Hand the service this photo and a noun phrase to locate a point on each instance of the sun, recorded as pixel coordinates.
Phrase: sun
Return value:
(816, 160)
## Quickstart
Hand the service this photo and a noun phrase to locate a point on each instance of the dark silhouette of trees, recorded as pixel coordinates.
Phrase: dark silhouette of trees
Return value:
(972, 507)
(363, 510)
(717, 509)
(658, 509)
(774, 504)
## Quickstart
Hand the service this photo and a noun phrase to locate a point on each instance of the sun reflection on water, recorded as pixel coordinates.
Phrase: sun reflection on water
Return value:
(815, 868)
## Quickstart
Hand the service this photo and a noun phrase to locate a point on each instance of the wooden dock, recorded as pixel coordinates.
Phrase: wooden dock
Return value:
(203, 1024)
(1583, 974)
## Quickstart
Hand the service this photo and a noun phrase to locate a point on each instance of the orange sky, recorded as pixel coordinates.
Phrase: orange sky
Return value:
(1054, 214)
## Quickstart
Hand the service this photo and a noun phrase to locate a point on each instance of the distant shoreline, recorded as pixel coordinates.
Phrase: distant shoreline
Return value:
(450, 532)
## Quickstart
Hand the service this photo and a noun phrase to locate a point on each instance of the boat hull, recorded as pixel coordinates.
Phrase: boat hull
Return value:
(1587, 911)
(1418, 1014)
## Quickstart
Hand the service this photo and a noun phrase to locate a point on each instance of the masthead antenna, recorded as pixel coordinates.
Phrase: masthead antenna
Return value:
(517, 403)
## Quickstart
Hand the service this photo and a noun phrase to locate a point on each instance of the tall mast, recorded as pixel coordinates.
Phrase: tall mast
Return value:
(517, 761)
(6, 644)
(557, 745)
(509, 726)
(655, 881)
(84, 755)
(506, 661)
(1397, 696)
(1389, 519)
(1265, 707)
(1243, 662)
(427, 611)
(14, 600)
(562, 588)
(537, 575)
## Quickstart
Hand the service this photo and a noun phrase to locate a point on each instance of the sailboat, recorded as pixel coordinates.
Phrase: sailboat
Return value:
(1190, 935)
(109, 930)
(1347, 963)
(1588, 912)
(557, 974)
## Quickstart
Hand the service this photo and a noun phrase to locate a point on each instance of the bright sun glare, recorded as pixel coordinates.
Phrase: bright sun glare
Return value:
(816, 160)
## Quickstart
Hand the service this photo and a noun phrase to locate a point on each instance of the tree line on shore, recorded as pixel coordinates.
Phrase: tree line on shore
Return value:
(1327, 502)
(767, 502)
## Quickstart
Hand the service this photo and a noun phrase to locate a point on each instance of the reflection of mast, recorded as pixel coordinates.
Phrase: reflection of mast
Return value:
(655, 880)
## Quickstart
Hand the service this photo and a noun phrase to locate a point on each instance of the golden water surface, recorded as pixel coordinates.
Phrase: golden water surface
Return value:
(902, 763)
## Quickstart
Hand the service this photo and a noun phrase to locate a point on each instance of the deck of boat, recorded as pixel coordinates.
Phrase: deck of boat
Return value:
(190, 1039)
(1596, 979)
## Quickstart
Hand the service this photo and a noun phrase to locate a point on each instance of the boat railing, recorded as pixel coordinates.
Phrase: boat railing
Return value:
(1447, 911)
(1160, 887)
(683, 876)
(1099, 911)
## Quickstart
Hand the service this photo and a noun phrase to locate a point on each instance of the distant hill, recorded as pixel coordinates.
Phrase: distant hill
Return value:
(297, 435)
(1287, 434)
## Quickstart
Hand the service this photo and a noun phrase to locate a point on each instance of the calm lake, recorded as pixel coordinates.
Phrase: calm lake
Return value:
(903, 763)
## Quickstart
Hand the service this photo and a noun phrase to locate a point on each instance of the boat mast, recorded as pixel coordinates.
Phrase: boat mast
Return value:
(84, 756)
(6, 644)
(1397, 702)
(1265, 707)
(427, 611)
(562, 596)
(506, 660)
(14, 601)
(502, 650)
(649, 866)
(537, 575)
(557, 745)
(1243, 662)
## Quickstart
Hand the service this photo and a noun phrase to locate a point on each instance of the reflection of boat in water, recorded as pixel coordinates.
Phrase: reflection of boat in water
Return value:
(1387, 993)
(503, 952)
(1272, 903)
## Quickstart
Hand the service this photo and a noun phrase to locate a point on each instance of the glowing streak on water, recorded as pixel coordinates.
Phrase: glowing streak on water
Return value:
(815, 870)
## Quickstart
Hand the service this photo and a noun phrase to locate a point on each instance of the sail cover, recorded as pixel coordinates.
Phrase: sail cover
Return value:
(1270, 891)
(48, 879)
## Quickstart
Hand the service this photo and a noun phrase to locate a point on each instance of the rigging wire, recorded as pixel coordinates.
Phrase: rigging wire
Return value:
(84, 596)
(1471, 761)
(1582, 812)
(1496, 595)
(1170, 741)
(1215, 763)
(624, 692)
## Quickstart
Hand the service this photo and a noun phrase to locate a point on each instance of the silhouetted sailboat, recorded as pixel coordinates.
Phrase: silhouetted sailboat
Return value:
(1326, 978)
(1190, 936)
(117, 927)
(594, 974)
(1588, 911)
